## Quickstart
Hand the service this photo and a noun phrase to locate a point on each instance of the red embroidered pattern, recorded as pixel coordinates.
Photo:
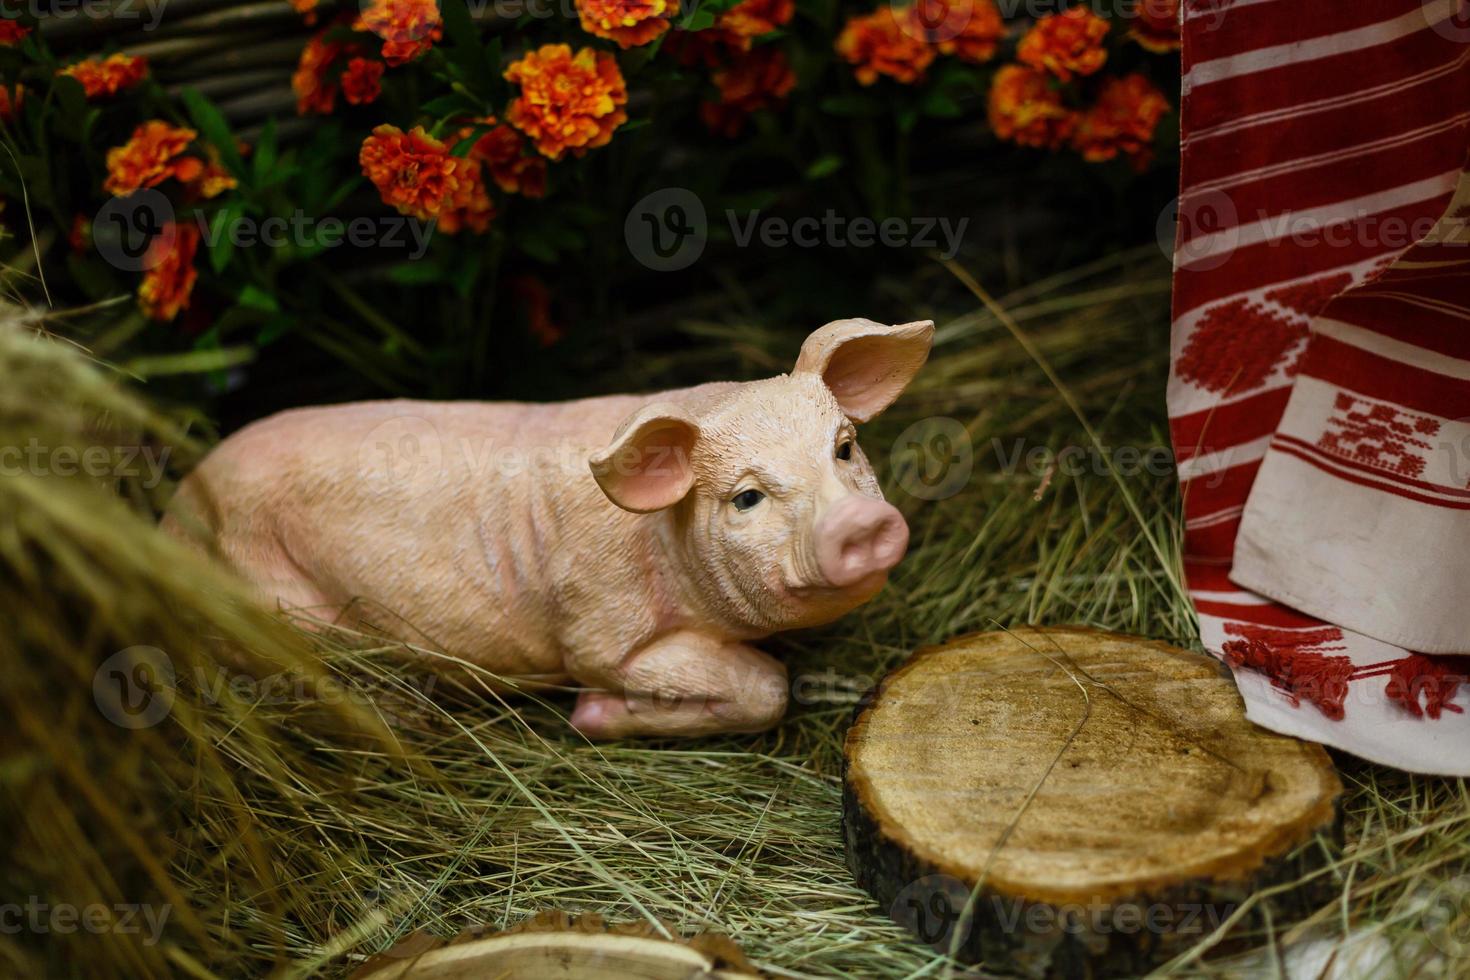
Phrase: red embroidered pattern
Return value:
(1236, 346)
(1309, 297)
(1377, 434)
(1293, 660)
(1435, 679)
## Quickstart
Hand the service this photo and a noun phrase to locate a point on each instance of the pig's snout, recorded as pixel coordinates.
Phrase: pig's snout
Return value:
(859, 537)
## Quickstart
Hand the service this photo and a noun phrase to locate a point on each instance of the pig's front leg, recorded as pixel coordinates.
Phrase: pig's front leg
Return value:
(683, 684)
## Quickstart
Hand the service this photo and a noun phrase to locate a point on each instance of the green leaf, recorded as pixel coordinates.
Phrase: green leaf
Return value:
(265, 152)
(829, 164)
(252, 297)
(221, 239)
(465, 51)
(416, 273)
(211, 122)
(275, 328)
(853, 105)
(190, 362)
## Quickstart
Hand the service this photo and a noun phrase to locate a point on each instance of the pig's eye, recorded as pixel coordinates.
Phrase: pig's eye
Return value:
(746, 499)
(844, 451)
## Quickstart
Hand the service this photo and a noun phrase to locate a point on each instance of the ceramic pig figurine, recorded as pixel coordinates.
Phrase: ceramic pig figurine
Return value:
(632, 544)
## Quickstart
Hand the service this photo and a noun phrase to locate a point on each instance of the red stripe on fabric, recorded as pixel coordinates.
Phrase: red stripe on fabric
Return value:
(1333, 459)
(1209, 578)
(1203, 432)
(1258, 266)
(1216, 29)
(1285, 87)
(1267, 615)
(1214, 542)
(1390, 488)
(1209, 493)
(1423, 326)
(1378, 377)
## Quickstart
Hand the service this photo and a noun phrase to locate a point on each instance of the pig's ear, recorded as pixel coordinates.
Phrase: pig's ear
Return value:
(646, 466)
(866, 365)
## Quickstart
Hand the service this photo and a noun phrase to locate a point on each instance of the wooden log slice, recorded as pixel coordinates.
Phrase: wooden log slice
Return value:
(1105, 793)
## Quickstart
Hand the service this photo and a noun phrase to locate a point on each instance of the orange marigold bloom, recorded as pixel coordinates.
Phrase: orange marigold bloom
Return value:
(153, 154)
(315, 91)
(877, 44)
(169, 281)
(362, 82)
(759, 80)
(1157, 25)
(503, 152)
(628, 22)
(468, 204)
(1025, 108)
(752, 18)
(412, 171)
(101, 77)
(307, 10)
(212, 180)
(567, 102)
(408, 27)
(1065, 44)
(1122, 120)
(10, 102)
(12, 31)
(968, 29)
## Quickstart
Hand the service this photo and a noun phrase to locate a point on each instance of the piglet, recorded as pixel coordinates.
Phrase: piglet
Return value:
(632, 544)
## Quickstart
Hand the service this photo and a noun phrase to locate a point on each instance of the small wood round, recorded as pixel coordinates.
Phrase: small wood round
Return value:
(1149, 823)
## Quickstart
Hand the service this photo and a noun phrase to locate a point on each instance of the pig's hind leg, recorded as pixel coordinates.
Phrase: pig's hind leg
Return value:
(684, 684)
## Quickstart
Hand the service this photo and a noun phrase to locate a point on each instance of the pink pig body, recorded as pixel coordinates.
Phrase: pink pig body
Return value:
(633, 544)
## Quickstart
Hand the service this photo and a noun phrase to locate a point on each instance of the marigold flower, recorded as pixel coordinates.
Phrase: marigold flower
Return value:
(468, 204)
(307, 10)
(968, 29)
(567, 102)
(153, 154)
(1065, 44)
(412, 171)
(101, 77)
(362, 82)
(10, 100)
(408, 27)
(1025, 109)
(503, 152)
(315, 91)
(12, 31)
(1122, 120)
(630, 23)
(759, 80)
(877, 44)
(213, 179)
(752, 18)
(1157, 25)
(169, 281)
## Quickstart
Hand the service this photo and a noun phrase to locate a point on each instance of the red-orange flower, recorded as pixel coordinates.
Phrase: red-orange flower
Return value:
(877, 44)
(315, 91)
(503, 152)
(1026, 109)
(536, 301)
(307, 10)
(759, 80)
(408, 27)
(567, 102)
(10, 100)
(101, 77)
(468, 204)
(1157, 25)
(1122, 120)
(12, 31)
(212, 180)
(80, 235)
(412, 171)
(628, 22)
(362, 82)
(1065, 44)
(169, 281)
(153, 154)
(968, 29)
(752, 18)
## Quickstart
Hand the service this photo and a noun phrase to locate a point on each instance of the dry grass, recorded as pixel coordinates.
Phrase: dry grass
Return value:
(302, 834)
